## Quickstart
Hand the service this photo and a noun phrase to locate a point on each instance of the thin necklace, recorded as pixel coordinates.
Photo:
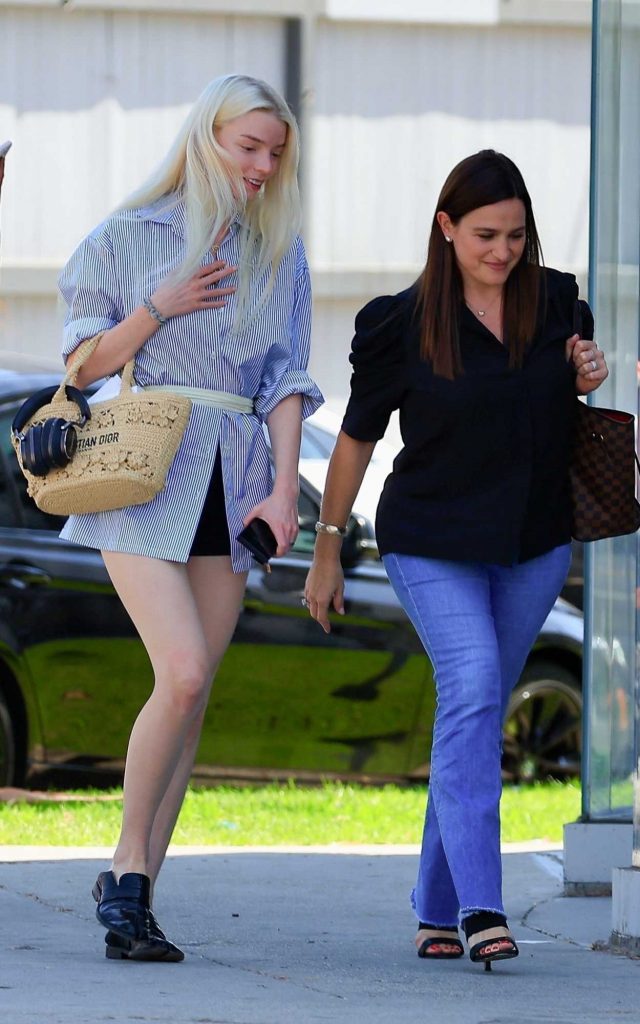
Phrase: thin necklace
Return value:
(216, 246)
(481, 312)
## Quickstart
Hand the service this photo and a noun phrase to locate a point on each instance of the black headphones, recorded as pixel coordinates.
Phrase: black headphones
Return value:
(51, 444)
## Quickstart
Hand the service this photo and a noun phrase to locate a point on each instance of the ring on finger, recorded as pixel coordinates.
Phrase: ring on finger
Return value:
(594, 365)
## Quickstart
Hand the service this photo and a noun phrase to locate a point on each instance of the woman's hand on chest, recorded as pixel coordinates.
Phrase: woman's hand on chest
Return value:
(204, 290)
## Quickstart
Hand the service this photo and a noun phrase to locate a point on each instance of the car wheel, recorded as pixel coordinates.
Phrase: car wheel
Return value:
(543, 729)
(7, 746)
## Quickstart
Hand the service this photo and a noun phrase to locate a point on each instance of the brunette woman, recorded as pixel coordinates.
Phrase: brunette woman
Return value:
(474, 522)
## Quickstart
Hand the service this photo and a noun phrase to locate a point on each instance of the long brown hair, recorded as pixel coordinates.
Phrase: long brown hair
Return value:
(485, 178)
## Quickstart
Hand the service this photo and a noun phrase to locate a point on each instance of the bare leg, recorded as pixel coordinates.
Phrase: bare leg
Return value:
(159, 598)
(218, 593)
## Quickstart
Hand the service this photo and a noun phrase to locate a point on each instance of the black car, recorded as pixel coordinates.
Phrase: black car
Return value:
(288, 700)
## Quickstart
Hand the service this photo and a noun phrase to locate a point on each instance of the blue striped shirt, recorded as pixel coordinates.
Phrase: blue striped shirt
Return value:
(120, 263)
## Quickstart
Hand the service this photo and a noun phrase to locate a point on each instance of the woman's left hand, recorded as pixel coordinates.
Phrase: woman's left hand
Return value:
(280, 511)
(589, 362)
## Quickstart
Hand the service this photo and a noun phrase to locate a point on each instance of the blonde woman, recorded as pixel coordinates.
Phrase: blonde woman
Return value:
(202, 277)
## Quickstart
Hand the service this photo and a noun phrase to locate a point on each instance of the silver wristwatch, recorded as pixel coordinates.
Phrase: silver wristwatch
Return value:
(335, 531)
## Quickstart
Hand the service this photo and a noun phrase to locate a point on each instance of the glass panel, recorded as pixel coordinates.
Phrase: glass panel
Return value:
(615, 255)
(32, 517)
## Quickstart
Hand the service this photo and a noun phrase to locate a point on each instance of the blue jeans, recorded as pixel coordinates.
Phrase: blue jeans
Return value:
(477, 623)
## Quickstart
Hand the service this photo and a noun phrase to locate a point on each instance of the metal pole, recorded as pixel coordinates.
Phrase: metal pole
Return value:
(293, 64)
(299, 43)
(587, 664)
(635, 856)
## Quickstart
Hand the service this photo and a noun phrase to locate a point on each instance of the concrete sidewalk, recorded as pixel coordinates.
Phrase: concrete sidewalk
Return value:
(299, 937)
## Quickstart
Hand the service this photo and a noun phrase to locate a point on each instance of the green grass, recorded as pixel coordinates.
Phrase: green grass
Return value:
(288, 814)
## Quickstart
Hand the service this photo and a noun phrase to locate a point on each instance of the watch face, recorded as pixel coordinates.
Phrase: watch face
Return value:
(329, 528)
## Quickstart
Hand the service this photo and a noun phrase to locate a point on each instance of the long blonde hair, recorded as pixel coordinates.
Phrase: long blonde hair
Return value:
(198, 171)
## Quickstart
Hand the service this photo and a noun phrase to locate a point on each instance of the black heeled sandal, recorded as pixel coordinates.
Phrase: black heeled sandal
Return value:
(434, 941)
(502, 947)
(133, 932)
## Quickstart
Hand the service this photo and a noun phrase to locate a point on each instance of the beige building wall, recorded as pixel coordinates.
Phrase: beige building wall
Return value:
(395, 107)
(395, 94)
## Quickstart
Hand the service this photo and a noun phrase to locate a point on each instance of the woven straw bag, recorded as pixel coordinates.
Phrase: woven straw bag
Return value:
(123, 452)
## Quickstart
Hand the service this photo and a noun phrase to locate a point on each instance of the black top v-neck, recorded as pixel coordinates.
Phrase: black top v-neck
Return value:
(483, 474)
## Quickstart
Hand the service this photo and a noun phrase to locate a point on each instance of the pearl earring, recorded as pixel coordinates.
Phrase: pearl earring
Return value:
(447, 238)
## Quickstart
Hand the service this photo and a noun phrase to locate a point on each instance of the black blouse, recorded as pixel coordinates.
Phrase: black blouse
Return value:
(483, 474)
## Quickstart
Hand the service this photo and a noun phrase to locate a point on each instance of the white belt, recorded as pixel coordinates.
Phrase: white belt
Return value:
(215, 399)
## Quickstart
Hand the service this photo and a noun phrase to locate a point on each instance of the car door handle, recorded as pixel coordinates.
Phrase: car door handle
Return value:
(21, 575)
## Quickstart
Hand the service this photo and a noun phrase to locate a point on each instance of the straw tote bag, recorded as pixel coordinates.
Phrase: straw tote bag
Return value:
(603, 464)
(79, 457)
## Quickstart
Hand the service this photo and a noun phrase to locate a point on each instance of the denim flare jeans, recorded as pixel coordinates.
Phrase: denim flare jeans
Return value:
(477, 623)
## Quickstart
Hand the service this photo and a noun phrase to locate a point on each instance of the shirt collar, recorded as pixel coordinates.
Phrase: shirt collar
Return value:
(172, 211)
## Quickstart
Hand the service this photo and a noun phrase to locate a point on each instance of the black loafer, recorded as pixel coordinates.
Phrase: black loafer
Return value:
(154, 949)
(133, 931)
(123, 907)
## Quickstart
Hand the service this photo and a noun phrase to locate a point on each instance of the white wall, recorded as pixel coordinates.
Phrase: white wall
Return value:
(396, 106)
(92, 99)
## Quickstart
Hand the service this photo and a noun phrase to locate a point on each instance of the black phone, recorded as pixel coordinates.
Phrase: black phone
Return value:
(259, 539)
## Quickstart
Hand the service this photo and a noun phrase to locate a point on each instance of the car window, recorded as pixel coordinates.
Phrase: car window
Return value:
(316, 443)
(9, 513)
(16, 507)
(307, 515)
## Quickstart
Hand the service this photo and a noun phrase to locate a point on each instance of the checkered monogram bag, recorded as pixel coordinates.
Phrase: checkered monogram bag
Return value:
(603, 474)
(603, 469)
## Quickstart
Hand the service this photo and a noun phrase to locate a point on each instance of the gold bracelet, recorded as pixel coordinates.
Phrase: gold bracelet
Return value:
(335, 531)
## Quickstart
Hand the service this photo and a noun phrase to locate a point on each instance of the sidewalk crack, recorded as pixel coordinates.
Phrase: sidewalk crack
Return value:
(270, 976)
(524, 921)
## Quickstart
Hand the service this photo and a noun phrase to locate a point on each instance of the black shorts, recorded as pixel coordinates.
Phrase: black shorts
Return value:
(212, 534)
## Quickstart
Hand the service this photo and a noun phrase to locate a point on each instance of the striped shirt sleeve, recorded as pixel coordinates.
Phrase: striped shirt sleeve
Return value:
(89, 287)
(286, 377)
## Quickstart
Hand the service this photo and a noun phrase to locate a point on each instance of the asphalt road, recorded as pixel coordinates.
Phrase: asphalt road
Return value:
(291, 937)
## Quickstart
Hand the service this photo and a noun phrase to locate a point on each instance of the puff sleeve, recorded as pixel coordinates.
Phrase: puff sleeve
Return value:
(379, 369)
(572, 312)
(286, 374)
(89, 287)
(584, 323)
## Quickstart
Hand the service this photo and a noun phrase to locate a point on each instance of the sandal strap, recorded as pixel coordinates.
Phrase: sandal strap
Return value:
(486, 950)
(481, 920)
